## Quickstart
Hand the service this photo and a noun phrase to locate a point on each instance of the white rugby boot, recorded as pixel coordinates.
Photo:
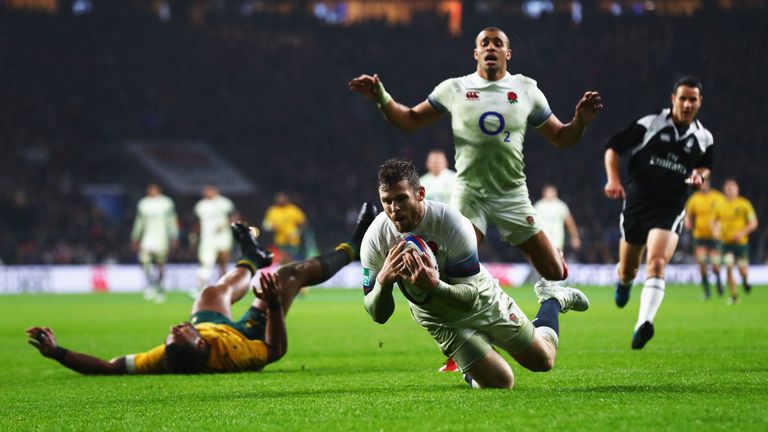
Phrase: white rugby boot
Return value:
(569, 298)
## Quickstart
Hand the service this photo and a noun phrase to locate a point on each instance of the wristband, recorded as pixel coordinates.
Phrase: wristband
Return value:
(59, 353)
(382, 97)
(274, 306)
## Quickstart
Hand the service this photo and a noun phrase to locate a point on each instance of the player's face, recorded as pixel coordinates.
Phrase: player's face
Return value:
(209, 192)
(731, 189)
(153, 190)
(549, 192)
(436, 163)
(403, 205)
(183, 334)
(492, 52)
(686, 102)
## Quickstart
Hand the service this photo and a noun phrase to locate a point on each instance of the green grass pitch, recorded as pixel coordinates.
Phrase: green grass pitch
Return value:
(706, 369)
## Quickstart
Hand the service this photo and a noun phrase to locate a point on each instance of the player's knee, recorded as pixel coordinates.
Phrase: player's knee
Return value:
(288, 272)
(544, 365)
(656, 265)
(212, 292)
(501, 381)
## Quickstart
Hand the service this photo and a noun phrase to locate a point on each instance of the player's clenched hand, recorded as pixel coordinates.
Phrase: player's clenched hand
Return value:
(420, 271)
(614, 190)
(695, 180)
(270, 288)
(366, 85)
(588, 107)
(393, 265)
(43, 339)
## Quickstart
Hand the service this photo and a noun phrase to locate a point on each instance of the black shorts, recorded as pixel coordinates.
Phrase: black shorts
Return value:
(639, 217)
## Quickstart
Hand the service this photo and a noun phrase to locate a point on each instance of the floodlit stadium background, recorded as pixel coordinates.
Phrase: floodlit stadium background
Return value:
(252, 95)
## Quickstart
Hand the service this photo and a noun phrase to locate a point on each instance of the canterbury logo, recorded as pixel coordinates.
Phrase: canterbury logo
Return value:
(473, 95)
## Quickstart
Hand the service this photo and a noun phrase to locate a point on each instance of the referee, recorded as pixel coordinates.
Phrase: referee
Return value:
(668, 151)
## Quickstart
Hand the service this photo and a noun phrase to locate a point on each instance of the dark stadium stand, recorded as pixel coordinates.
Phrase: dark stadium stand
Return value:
(270, 94)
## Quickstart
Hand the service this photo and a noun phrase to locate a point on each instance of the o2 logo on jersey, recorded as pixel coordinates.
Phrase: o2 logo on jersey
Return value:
(491, 127)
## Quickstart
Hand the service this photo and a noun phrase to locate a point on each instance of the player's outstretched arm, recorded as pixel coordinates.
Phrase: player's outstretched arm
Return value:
(405, 118)
(276, 336)
(44, 340)
(613, 188)
(565, 135)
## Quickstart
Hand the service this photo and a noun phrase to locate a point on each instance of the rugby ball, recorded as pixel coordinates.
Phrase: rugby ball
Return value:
(409, 290)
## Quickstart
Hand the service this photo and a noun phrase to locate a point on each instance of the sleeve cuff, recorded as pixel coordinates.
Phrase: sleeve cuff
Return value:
(436, 105)
(130, 363)
(538, 120)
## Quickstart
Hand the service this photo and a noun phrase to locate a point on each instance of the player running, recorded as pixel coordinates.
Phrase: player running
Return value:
(735, 220)
(490, 111)
(668, 151)
(700, 214)
(155, 230)
(210, 341)
(215, 241)
(466, 312)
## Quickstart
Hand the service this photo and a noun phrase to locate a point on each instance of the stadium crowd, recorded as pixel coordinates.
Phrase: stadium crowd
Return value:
(269, 93)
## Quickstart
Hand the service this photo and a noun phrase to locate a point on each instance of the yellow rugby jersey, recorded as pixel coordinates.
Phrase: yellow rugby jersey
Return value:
(703, 206)
(285, 221)
(734, 216)
(230, 351)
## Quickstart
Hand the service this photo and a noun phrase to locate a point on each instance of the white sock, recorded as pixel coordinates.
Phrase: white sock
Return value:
(548, 334)
(650, 300)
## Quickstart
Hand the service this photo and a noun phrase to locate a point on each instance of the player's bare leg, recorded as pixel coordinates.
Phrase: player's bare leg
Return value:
(544, 256)
(540, 356)
(715, 258)
(743, 266)
(734, 298)
(491, 371)
(701, 253)
(627, 268)
(661, 246)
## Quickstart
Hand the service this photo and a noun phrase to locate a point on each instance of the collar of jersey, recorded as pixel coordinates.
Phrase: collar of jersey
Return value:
(478, 81)
(691, 127)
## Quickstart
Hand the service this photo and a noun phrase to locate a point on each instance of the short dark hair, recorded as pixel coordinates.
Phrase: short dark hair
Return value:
(184, 358)
(395, 170)
(497, 30)
(688, 81)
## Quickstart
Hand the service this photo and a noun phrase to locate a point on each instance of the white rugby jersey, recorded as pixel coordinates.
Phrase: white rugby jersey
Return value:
(489, 120)
(552, 215)
(439, 187)
(214, 218)
(155, 223)
(452, 239)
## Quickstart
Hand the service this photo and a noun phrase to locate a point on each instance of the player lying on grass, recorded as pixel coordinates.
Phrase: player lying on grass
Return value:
(210, 341)
(465, 310)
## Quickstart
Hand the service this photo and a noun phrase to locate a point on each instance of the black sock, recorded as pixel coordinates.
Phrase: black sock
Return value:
(705, 285)
(332, 262)
(547, 315)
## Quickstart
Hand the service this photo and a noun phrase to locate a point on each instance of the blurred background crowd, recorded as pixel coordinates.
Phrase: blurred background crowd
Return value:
(264, 83)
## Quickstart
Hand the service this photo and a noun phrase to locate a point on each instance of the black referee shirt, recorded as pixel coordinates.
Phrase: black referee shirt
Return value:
(662, 157)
